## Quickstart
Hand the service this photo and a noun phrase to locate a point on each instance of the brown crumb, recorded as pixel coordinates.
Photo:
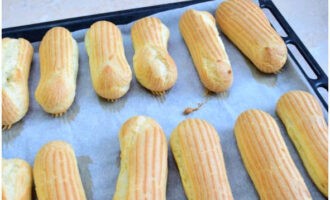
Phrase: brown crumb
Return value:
(189, 110)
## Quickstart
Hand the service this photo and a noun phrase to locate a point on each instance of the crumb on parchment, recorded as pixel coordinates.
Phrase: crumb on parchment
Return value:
(189, 110)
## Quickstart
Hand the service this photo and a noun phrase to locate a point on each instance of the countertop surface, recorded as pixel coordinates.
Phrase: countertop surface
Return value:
(308, 18)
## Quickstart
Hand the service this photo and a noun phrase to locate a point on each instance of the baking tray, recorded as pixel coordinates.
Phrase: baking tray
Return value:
(29, 133)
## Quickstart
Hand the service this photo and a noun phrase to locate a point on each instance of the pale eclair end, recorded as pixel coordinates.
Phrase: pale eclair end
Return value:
(143, 165)
(16, 61)
(16, 180)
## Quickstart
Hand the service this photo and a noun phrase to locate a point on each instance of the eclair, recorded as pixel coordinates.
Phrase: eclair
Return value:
(16, 62)
(303, 118)
(143, 164)
(267, 159)
(56, 173)
(154, 67)
(245, 24)
(58, 54)
(110, 72)
(202, 38)
(16, 180)
(197, 151)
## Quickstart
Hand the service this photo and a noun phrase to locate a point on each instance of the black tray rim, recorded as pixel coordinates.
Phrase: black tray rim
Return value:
(35, 32)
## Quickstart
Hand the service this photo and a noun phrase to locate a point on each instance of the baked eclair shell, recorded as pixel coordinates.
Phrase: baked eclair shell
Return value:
(200, 33)
(245, 24)
(303, 118)
(110, 72)
(267, 158)
(16, 61)
(143, 165)
(56, 173)
(16, 180)
(58, 54)
(196, 148)
(154, 67)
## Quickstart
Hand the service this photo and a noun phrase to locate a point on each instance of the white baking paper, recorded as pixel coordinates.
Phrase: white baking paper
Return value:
(92, 125)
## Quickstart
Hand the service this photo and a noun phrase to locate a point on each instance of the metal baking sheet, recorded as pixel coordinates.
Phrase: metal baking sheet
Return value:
(92, 125)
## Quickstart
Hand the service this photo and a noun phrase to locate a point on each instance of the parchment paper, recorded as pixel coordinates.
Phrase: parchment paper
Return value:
(92, 125)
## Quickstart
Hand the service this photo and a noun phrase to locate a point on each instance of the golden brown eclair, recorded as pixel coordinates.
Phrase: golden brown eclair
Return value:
(16, 180)
(303, 118)
(58, 53)
(200, 33)
(154, 67)
(248, 28)
(196, 148)
(267, 158)
(111, 75)
(143, 165)
(56, 173)
(16, 61)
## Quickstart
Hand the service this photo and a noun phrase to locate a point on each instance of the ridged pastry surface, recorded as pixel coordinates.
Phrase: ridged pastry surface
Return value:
(267, 158)
(16, 180)
(58, 54)
(16, 61)
(110, 72)
(196, 148)
(200, 33)
(154, 67)
(56, 173)
(248, 28)
(143, 165)
(303, 118)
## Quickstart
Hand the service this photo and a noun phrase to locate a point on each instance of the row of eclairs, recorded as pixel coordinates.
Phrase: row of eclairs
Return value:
(154, 68)
(196, 147)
